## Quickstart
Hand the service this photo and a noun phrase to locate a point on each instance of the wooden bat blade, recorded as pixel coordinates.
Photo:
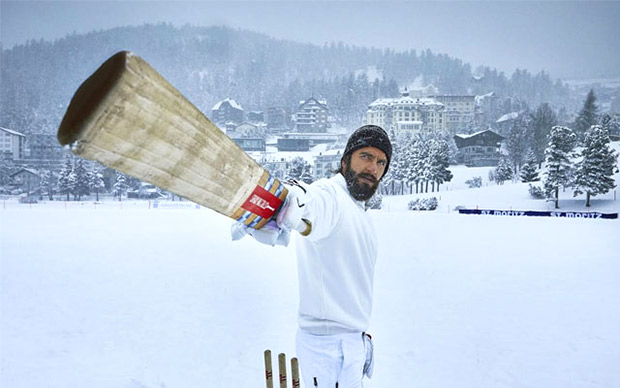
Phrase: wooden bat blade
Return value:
(128, 117)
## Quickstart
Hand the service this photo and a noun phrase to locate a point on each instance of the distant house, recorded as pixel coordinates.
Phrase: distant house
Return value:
(478, 149)
(293, 144)
(27, 180)
(256, 117)
(250, 137)
(311, 116)
(145, 190)
(277, 167)
(304, 141)
(278, 117)
(227, 111)
(460, 111)
(326, 163)
(11, 144)
(504, 124)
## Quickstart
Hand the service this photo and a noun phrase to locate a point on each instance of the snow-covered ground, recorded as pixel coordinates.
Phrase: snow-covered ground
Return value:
(130, 296)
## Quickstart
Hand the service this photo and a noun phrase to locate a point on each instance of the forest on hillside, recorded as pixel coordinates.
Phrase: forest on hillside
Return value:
(209, 64)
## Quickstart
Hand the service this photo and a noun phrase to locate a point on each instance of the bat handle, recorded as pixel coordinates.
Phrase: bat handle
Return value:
(306, 226)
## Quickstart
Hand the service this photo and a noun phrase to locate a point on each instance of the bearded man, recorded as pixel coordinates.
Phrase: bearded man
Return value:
(336, 254)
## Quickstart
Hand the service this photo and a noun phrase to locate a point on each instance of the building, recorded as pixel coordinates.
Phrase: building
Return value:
(304, 141)
(407, 115)
(43, 150)
(478, 149)
(227, 111)
(27, 180)
(278, 117)
(311, 116)
(326, 163)
(12, 144)
(460, 111)
(256, 117)
(250, 137)
(293, 144)
(487, 105)
(277, 165)
(505, 123)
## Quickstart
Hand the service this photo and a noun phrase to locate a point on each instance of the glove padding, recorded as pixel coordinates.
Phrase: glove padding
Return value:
(291, 214)
(278, 231)
(270, 234)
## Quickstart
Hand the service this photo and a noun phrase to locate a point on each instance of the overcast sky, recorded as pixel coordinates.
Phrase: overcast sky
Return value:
(567, 39)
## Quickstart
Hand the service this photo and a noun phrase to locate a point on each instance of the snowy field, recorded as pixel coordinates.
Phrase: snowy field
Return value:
(131, 296)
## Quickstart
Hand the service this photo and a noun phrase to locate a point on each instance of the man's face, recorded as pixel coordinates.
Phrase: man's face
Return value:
(364, 171)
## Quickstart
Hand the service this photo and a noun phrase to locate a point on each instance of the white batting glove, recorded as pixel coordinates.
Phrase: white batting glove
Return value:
(291, 214)
(270, 234)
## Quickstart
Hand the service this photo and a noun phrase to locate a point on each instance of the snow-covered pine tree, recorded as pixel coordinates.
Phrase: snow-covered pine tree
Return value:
(397, 172)
(529, 172)
(517, 141)
(388, 181)
(540, 125)
(44, 183)
(306, 175)
(298, 168)
(66, 178)
(594, 173)
(408, 173)
(439, 161)
(48, 184)
(558, 165)
(416, 155)
(420, 158)
(503, 172)
(81, 180)
(120, 186)
(587, 117)
(610, 124)
(96, 182)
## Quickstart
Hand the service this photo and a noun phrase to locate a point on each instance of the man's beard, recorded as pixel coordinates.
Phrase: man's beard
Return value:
(361, 191)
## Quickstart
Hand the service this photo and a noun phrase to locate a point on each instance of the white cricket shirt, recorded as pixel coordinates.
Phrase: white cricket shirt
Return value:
(336, 262)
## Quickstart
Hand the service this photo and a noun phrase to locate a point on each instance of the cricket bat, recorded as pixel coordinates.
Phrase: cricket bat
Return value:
(128, 117)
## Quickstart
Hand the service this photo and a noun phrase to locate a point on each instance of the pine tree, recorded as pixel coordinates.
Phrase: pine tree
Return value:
(610, 124)
(299, 169)
(529, 172)
(417, 164)
(439, 161)
(594, 173)
(503, 171)
(120, 186)
(517, 142)
(306, 175)
(66, 179)
(399, 164)
(81, 180)
(540, 126)
(48, 183)
(558, 165)
(588, 116)
(96, 182)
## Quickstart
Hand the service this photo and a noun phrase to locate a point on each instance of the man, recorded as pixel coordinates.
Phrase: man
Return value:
(336, 262)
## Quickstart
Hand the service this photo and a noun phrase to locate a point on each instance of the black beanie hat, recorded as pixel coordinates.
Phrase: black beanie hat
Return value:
(369, 136)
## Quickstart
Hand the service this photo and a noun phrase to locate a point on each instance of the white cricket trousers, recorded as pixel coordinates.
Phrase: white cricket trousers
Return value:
(325, 360)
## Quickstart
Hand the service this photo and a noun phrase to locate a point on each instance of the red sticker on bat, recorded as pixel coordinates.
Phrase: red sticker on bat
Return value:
(262, 202)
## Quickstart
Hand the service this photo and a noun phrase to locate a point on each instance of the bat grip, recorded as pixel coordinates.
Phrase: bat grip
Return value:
(306, 226)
